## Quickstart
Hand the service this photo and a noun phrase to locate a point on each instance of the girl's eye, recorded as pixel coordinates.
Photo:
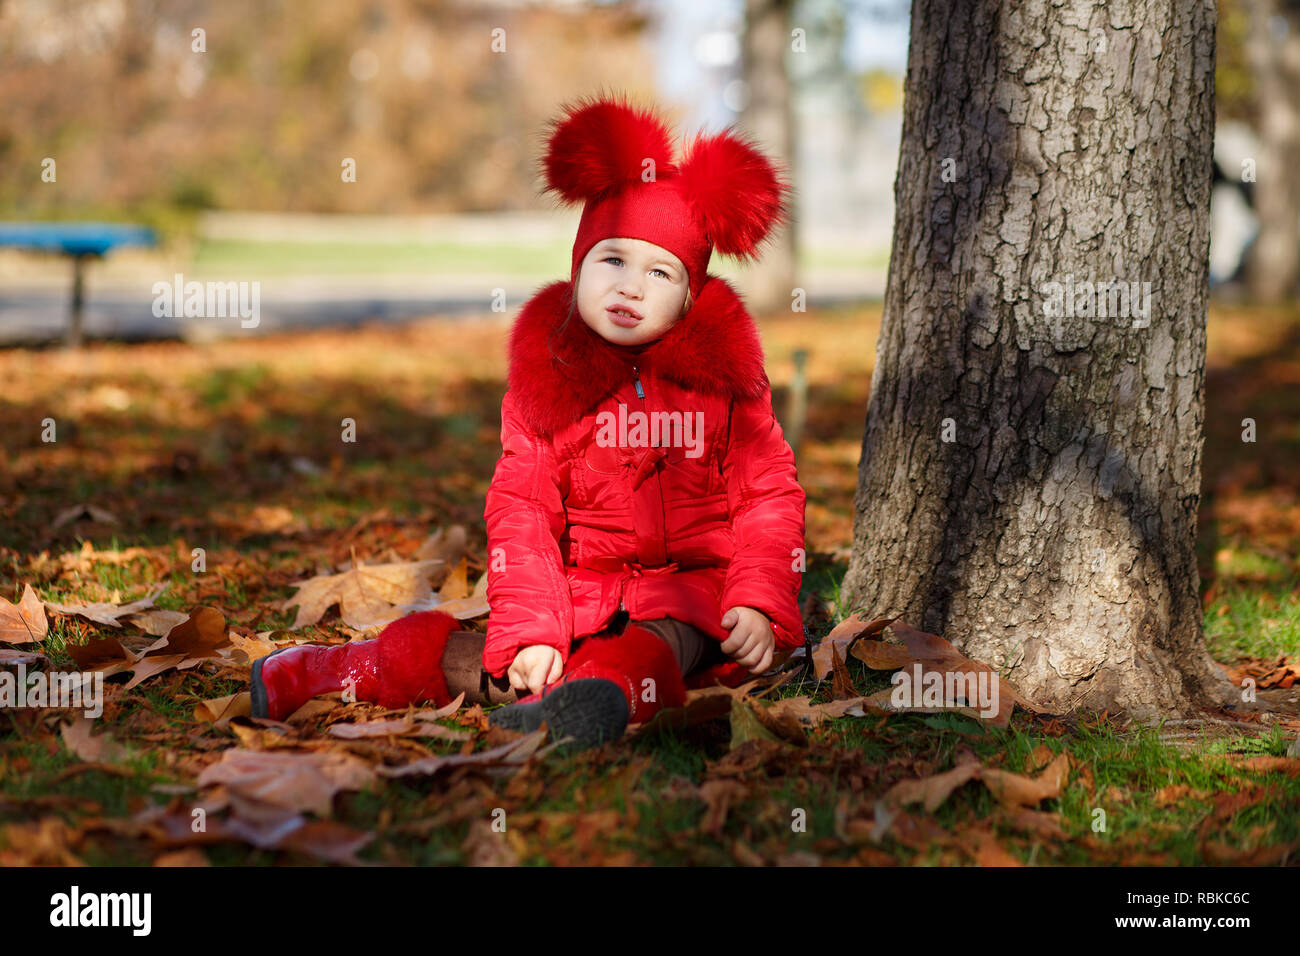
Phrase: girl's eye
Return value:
(617, 259)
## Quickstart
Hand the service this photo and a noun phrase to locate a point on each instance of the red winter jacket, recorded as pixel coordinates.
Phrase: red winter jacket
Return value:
(585, 516)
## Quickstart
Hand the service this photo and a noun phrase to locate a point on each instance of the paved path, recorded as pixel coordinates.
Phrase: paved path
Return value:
(35, 312)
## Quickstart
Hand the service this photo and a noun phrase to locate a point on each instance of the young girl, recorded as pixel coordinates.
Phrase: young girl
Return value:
(645, 522)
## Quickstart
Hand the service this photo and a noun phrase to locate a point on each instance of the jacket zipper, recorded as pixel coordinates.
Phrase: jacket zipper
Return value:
(640, 393)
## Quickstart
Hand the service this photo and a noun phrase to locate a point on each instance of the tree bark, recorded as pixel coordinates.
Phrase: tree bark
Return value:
(1273, 51)
(1029, 483)
(767, 116)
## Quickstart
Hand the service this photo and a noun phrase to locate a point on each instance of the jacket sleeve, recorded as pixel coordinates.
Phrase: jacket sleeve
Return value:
(766, 504)
(528, 590)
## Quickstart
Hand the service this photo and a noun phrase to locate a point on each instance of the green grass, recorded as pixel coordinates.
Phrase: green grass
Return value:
(1261, 620)
(226, 257)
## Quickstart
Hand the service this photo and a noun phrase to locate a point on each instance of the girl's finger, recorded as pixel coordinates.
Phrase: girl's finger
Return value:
(765, 663)
(537, 678)
(556, 668)
(734, 643)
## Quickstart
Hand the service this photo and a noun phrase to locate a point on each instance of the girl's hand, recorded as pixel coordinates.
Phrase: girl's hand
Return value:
(534, 667)
(751, 642)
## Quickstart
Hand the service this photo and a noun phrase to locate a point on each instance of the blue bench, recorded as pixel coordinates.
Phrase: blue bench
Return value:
(79, 241)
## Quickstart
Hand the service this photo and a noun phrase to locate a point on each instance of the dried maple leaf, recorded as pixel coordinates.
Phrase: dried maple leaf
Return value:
(107, 613)
(368, 596)
(1013, 790)
(936, 655)
(401, 727)
(511, 752)
(158, 622)
(842, 682)
(932, 791)
(472, 606)
(810, 714)
(12, 658)
(106, 655)
(842, 637)
(77, 738)
(188, 644)
(24, 622)
(219, 710)
(293, 781)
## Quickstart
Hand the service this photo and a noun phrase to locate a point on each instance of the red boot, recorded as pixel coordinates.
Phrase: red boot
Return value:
(402, 666)
(604, 688)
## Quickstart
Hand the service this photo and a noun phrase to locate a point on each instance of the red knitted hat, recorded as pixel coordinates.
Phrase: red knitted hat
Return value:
(618, 159)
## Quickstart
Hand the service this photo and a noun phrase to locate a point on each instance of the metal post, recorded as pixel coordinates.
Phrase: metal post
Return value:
(73, 338)
(797, 410)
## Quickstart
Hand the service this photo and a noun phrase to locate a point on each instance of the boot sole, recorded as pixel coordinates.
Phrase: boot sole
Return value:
(261, 706)
(591, 711)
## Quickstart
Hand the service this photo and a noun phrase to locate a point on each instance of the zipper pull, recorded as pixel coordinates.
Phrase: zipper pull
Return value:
(640, 392)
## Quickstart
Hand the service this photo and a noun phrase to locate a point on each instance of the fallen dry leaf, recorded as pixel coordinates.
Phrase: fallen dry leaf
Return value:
(746, 725)
(445, 711)
(197, 635)
(989, 852)
(24, 622)
(512, 752)
(12, 658)
(293, 781)
(402, 727)
(1038, 822)
(368, 596)
(102, 749)
(841, 638)
(1013, 790)
(718, 795)
(105, 654)
(78, 512)
(939, 656)
(931, 792)
(841, 682)
(107, 613)
(148, 667)
(484, 846)
(1265, 764)
(188, 644)
(45, 842)
(189, 856)
(158, 622)
(219, 710)
(254, 648)
(468, 608)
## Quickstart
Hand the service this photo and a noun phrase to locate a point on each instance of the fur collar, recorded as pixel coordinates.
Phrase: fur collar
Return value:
(714, 349)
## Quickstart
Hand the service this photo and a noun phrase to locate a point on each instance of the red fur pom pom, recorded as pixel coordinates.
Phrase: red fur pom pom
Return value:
(735, 190)
(601, 145)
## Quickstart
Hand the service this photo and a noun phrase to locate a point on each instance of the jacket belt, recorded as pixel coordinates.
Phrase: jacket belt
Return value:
(645, 464)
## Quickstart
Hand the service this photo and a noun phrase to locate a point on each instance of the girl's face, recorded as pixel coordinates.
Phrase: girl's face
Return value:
(635, 276)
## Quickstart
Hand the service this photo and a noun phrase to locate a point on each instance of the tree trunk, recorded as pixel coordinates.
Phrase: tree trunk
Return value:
(767, 116)
(1273, 51)
(1029, 483)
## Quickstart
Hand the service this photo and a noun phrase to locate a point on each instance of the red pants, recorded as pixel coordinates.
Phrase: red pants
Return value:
(462, 661)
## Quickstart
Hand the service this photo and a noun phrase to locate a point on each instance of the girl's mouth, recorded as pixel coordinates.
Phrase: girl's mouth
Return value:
(623, 316)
